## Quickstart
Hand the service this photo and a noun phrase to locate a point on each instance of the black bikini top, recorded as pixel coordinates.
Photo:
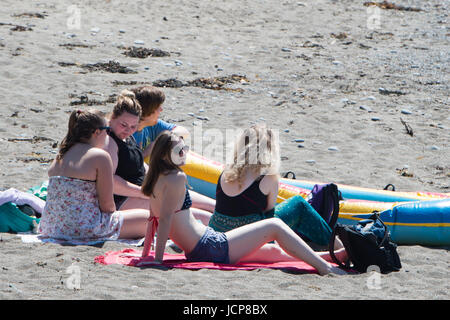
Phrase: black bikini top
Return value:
(187, 201)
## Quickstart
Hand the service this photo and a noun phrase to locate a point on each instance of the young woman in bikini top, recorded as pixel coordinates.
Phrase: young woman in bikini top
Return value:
(165, 184)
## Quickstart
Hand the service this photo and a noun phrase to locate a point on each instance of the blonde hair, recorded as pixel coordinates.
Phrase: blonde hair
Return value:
(256, 149)
(127, 102)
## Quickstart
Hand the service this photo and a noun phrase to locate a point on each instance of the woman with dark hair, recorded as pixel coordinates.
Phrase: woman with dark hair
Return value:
(165, 184)
(79, 202)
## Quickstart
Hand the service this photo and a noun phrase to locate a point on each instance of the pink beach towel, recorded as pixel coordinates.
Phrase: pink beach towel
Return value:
(132, 257)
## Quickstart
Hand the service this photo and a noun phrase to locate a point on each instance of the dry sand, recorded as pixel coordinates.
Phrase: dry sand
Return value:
(312, 69)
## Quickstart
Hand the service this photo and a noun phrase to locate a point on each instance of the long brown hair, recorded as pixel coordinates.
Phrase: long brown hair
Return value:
(82, 124)
(160, 160)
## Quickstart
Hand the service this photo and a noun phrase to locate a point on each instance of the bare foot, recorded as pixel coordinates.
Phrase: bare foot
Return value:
(338, 271)
(332, 270)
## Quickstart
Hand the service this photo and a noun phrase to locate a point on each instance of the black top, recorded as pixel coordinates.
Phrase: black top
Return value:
(249, 201)
(130, 166)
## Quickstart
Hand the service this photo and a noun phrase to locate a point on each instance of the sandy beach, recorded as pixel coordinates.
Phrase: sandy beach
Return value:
(341, 81)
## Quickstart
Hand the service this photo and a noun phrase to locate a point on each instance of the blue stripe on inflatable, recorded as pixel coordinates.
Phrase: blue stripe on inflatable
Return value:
(350, 193)
(433, 211)
(201, 186)
(433, 218)
(424, 223)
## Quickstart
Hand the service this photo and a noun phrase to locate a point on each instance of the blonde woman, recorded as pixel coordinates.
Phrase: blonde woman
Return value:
(170, 205)
(80, 204)
(247, 190)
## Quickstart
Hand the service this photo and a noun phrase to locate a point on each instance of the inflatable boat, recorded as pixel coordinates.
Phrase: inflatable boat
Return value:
(412, 217)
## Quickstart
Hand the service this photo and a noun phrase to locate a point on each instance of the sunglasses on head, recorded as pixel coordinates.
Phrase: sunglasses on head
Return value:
(108, 129)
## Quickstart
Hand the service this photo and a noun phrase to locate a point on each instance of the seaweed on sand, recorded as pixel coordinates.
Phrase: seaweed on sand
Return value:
(111, 66)
(392, 6)
(136, 52)
(214, 83)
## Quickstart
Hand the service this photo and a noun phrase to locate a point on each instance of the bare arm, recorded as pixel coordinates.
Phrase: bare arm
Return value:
(202, 202)
(269, 186)
(104, 182)
(121, 186)
(125, 188)
(172, 197)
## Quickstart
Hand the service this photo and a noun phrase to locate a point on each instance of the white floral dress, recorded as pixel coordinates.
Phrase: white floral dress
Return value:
(72, 212)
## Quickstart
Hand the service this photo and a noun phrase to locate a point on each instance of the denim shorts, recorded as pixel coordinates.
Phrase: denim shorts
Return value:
(212, 247)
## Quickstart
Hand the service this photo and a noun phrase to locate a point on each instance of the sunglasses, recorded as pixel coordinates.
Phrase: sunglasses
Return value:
(108, 129)
(182, 151)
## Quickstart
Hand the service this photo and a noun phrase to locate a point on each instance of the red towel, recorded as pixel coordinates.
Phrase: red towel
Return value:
(132, 257)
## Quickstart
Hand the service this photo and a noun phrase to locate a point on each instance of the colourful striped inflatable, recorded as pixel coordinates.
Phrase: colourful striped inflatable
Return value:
(412, 217)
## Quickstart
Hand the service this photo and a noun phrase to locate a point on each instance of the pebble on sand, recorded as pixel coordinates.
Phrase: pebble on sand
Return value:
(406, 111)
(366, 108)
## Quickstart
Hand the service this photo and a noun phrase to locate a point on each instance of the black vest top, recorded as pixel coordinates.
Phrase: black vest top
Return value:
(249, 201)
(130, 166)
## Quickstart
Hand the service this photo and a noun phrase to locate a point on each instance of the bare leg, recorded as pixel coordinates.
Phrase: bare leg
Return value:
(201, 215)
(134, 223)
(202, 202)
(135, 203)
(277, 254)
(246, 240)
(338, 244)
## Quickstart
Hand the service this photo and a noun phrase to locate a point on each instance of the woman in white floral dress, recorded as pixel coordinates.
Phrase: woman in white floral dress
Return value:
(80, 204)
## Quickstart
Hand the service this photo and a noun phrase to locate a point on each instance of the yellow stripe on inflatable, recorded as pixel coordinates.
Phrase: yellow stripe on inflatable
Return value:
(354, 216)
(412, 195)
(365, 206)
(202, 168)
(208, 170)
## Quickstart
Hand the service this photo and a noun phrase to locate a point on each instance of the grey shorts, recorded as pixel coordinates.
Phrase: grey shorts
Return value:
(212, 247)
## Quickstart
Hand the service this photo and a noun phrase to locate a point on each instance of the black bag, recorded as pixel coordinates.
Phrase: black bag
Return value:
(367, 243)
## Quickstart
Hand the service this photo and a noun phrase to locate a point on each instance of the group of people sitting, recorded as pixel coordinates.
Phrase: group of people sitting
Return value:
(101, 187)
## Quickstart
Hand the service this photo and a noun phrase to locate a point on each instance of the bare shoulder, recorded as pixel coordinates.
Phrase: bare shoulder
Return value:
(272, 178)
(97, 154)
(176, 178)
(111, 146)
(94, 151)
(269, 183)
